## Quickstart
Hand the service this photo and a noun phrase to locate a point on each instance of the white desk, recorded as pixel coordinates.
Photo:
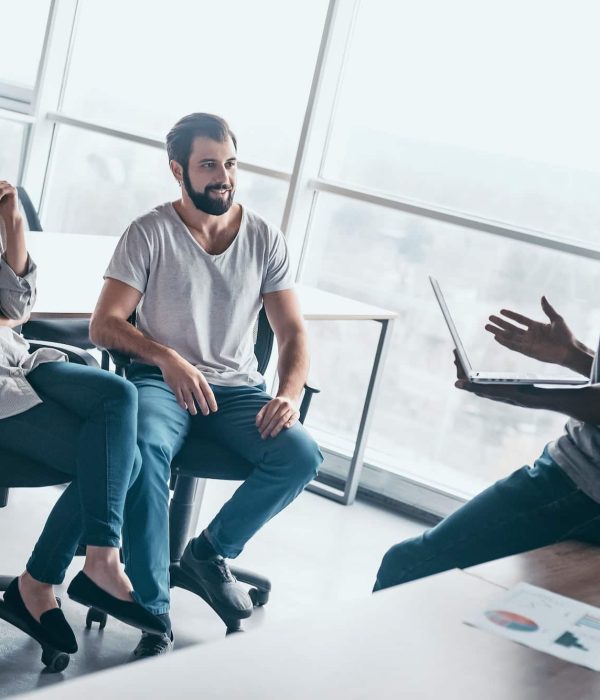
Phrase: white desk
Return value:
(406, 642)
(70, 270)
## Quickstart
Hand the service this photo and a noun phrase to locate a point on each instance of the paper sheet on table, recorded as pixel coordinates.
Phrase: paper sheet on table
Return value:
(545, 621)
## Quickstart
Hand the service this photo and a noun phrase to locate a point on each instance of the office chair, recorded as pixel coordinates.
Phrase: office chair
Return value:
(198, 460)
(17, 471)
(72, 331)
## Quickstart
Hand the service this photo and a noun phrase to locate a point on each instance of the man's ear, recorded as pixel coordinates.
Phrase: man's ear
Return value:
(177, 170)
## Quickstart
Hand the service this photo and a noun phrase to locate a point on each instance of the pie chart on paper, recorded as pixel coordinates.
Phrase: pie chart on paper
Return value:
(512, 621)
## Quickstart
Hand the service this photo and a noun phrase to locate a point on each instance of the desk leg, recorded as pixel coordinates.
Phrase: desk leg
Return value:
(348, 495)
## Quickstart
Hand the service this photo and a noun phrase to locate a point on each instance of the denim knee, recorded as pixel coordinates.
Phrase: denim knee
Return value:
(398, 561)
(120, 390)
(304, 456)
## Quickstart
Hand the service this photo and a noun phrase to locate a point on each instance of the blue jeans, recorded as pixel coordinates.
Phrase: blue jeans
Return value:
(533, 507)
(86, 428)
(283, 467)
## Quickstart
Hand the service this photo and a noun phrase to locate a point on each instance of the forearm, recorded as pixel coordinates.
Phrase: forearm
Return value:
(117, 334)
(582, 404)
(16, 248)
(292, 366)
(580, 359)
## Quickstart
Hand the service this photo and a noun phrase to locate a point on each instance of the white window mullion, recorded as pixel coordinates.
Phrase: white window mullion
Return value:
(297, 213)
(47, 92)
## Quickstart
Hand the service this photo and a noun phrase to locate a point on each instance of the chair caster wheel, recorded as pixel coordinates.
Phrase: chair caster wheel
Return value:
(94, 615)
(233, 630)
(258, 597)
(55, 661)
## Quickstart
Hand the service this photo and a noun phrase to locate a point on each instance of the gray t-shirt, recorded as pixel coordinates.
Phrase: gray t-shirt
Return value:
(203, 306)
(577, 451)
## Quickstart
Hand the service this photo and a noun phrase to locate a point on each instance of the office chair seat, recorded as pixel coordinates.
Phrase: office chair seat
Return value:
(21, 472)
(205, 459)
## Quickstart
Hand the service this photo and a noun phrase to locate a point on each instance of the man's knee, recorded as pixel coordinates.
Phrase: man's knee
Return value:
(400, 562)
(303, 456)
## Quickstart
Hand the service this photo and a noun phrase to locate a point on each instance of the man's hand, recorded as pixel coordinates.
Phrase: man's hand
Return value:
(9, 202)
(188, 384)
(548, 342)
(278, 414)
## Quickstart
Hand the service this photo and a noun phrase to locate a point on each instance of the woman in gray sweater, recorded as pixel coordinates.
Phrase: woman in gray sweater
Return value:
(79, 420)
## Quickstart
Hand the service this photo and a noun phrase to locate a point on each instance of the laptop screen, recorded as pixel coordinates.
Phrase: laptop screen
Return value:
(451, 327)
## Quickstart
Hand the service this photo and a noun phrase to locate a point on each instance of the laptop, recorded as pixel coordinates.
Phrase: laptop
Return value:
(492, 377)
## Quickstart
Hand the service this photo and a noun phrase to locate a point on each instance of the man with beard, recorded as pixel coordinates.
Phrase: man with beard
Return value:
(197, 271)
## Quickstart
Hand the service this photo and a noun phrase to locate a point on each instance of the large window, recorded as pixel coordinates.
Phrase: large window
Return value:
(474, 117)
(11, 142)
(251, 62)
(423, 426)
(22, 29)
(486, 108)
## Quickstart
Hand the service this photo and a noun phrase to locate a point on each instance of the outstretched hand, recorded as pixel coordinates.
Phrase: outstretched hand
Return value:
(547, 342)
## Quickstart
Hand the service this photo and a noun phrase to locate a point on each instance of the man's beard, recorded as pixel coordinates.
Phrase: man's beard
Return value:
(204, 201)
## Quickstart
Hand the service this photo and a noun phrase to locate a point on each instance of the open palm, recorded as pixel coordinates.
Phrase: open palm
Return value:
(548, 342)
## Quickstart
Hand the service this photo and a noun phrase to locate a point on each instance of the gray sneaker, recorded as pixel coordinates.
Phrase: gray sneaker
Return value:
(219, 587)
(153, 645)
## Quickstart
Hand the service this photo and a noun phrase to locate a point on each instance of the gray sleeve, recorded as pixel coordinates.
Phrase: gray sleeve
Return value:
(278, 275)
(130, 262)
(17, 294)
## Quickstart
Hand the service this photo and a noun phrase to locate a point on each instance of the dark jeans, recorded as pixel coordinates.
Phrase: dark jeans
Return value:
(85, 427)
(282, 467)
(534, 507)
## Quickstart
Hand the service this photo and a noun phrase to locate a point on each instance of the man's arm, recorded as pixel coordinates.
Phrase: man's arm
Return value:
(109, 328)
(552, 342)
(582, 403)
(285, 317)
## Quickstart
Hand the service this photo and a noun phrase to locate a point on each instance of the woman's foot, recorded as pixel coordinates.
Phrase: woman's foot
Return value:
(85, 591)
(38, 597)
(111, 579)
(51, 629)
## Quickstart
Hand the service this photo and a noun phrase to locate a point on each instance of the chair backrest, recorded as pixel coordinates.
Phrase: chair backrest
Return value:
(33, 220)
(263, 342)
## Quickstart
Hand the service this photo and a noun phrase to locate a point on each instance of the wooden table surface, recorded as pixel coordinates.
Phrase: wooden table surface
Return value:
(569, 568)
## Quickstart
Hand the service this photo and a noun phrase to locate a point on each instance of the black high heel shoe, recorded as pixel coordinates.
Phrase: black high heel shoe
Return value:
(52, 629)
(83, 590)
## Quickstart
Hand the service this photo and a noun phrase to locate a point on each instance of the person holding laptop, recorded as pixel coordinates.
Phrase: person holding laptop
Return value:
(557, 498)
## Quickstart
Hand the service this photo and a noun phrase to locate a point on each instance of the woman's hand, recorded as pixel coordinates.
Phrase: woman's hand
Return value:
(9, 202)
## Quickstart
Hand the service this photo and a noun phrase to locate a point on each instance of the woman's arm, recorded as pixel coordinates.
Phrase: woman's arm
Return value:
(16, 250)
(17, 271)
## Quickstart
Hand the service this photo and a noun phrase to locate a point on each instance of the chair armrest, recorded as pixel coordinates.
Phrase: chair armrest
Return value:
(309, 391)
(120, 359)
(77, 355)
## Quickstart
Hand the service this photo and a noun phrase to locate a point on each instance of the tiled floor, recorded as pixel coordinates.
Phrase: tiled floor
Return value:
(314, 551)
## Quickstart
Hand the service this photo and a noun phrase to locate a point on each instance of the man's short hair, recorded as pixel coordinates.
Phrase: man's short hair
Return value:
(182, 135)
